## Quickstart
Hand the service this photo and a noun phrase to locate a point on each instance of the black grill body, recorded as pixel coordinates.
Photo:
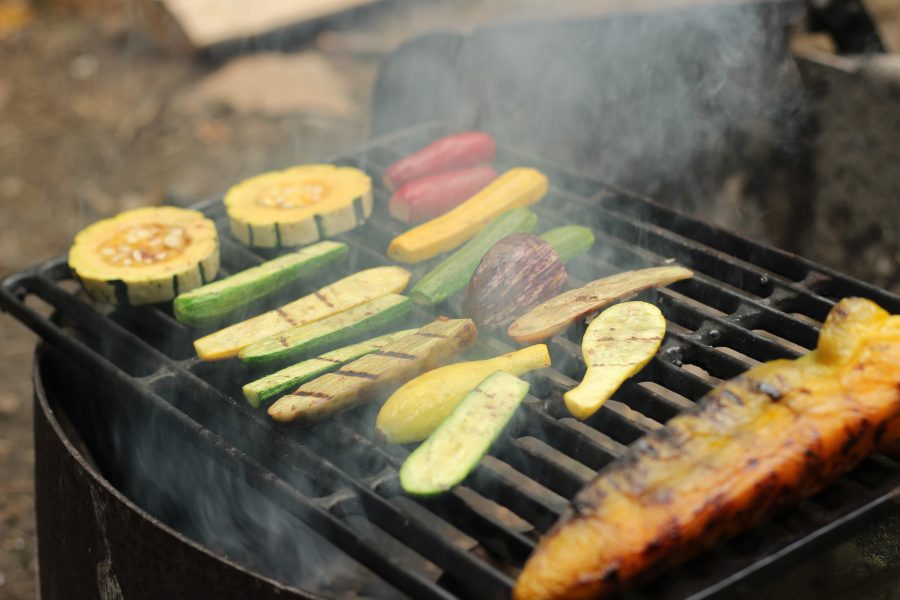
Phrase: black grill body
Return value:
(333, 484)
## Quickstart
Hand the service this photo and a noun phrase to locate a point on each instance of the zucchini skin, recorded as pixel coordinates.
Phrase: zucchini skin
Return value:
(453, 273)
(756, 444)
(264, 389)
(329, 331)
(211, 302)
(461, 441)
(374, 374)
(448, 153)
(569, 241)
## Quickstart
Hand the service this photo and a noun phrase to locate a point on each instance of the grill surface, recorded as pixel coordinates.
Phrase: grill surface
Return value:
(746, 303)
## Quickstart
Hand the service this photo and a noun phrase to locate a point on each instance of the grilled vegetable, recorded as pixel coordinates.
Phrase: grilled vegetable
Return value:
(266, 388)
(415, 410)
(459, 444)
(298, 206)
(547, 319)
(519, 272)
(215, 300)
(446, 154)
(779, 433)
(339, 296)
(617, 344)
(514, 189)
(427, 197)
(452, 274)
(378, 373)
(145, 255)
(569, 241)
(329, 331)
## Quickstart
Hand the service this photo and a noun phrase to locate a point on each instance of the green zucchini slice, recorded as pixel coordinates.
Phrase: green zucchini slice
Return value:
(453, 273)
(266, 388)
(326, 332)
(458, 445)
(213, 301)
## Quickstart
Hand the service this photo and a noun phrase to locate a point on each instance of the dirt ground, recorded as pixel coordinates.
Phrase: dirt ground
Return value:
(96, 117)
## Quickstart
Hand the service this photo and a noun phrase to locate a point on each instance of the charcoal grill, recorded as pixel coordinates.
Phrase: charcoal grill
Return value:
(747, 303)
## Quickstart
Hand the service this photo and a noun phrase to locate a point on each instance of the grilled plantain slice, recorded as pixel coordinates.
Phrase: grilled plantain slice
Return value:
(760, 442)
(546, 320)
(376, 373)
(617, 344)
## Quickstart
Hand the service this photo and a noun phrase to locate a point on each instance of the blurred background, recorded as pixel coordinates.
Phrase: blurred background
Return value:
(107, 105)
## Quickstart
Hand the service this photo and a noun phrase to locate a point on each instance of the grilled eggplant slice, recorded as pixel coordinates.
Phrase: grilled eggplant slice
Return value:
(779, 433)
(145, 255)
(377, 373)
(298, 206)
(337, 297)
(553, 316)
(617, 344)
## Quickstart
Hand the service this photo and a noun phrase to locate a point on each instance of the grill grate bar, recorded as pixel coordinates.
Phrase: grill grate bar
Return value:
(742, 295)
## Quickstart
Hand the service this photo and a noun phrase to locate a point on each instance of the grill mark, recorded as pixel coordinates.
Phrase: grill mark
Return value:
(249, 234)
(359, 374)
(399, 355)
(609, 338)
(283, 342)
(202, 273)
(431, 335)
(175, 284)
(281, 313)
(323, 299)
(331, 360)
(302, 393)
(278, 243)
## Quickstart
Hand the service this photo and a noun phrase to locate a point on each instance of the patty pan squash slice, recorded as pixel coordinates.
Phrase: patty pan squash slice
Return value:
(145, 255)
(299, 205)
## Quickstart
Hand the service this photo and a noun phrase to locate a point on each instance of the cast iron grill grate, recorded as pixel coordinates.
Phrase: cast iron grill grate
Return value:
(747, 303)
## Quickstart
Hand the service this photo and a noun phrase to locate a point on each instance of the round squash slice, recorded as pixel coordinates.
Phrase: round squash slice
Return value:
(145, 255)
(299, 205)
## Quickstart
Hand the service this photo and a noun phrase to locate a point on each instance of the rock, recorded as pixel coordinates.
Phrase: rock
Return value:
(272, 85)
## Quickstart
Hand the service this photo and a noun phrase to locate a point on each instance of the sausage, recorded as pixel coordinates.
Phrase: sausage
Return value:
(769, 438)
(432, 195)
(446, 154)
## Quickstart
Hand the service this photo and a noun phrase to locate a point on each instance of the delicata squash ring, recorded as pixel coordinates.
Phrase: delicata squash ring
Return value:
(299, 205)
(145, 255)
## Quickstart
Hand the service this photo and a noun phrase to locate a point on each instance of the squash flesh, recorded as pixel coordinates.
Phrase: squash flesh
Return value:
(145, 255)
(300, 205)
(516, 188)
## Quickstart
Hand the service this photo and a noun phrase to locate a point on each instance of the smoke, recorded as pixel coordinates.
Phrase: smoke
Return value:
(668, 103)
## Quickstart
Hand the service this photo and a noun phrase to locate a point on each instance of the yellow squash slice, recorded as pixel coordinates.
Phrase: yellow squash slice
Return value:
(145, 255)
(617, 344)
(299, 205)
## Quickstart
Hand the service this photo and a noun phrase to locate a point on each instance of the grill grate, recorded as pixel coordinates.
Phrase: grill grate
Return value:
(746, 303)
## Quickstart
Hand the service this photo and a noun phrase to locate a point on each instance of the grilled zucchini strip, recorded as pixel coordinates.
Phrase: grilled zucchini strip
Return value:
(760, 442)
(376, 373)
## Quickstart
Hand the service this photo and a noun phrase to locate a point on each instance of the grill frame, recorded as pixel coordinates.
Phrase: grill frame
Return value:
(764, 288)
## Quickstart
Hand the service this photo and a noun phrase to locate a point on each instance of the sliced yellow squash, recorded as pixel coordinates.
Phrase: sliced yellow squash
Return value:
(415, 410)
(516, 188)
(299, 205)
(617, 344)
(337, 297)
(145, 255)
